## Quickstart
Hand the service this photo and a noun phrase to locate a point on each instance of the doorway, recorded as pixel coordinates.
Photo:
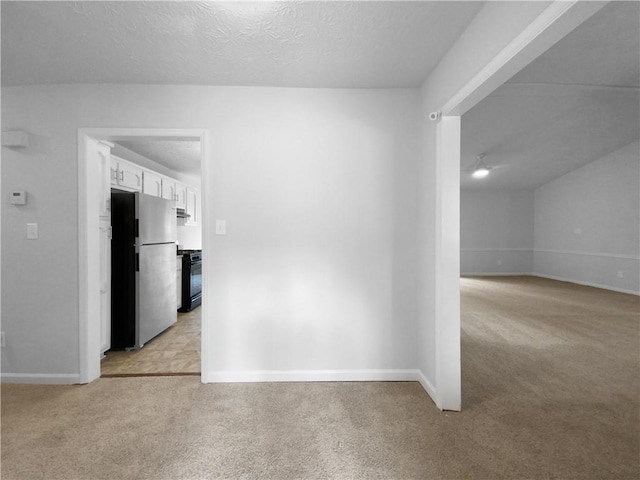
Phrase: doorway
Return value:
(93, 185)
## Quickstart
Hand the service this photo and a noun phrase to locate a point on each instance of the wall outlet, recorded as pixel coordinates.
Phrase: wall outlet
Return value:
(2, 344)
(499, 262)
(620, 274)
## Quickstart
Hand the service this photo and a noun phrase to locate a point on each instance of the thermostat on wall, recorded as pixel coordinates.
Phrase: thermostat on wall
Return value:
(18, 197)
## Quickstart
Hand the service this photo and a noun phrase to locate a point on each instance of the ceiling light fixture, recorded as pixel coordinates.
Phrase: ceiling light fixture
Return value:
(480, 170)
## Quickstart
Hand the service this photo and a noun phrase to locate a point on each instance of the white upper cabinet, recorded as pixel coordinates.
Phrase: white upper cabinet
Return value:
(168, 188)
(181, 195)
(193, 207)
(152, 183)
(130, 177)
(125, 175)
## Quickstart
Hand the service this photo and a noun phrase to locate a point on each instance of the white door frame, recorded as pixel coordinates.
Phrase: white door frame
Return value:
(89, 242)
(555, 22)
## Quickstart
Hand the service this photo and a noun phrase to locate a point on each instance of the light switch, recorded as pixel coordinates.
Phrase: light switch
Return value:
(32, 231)
(221, 227)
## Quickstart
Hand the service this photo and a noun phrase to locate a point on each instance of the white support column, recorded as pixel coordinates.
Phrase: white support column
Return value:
(553, 23)
(447, 298)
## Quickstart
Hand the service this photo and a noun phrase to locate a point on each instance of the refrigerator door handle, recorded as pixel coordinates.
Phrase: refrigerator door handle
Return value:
(137, 262)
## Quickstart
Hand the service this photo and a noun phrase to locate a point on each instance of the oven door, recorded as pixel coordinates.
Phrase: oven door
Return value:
(196, 279)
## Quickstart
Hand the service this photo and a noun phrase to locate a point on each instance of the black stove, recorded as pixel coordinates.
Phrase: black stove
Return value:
(191, 279)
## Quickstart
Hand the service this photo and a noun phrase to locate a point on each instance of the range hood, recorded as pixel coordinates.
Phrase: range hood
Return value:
(181, 213)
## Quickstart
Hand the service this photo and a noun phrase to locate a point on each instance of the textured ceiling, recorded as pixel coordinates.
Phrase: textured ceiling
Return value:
(178, 155)
(576, 103)
(541, 132)
(602, 51)
(299, 44)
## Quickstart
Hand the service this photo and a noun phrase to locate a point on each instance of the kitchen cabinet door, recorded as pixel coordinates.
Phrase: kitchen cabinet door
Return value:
(128, 176)
(181, 195)
(168, 188)
(192, 207)
(152, 183)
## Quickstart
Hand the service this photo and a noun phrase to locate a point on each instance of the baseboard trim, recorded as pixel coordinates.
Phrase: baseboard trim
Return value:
(428, 387)
(391, 375)
(555, 252)
(491, 250)
(313, 376)
(587, 254)
(586, 284)
(41, 378)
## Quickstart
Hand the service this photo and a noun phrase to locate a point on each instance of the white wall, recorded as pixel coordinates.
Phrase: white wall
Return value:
(583, 227)
(318, 188)
(496, 231)
(587, 223)
(349, 157)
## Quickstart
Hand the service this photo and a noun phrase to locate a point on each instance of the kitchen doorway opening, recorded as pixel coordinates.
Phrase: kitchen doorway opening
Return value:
(165, 167)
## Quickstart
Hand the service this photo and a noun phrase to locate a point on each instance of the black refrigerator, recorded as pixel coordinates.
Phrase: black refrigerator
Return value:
(143, 268)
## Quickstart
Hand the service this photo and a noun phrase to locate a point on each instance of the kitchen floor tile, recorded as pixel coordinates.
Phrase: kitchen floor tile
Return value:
(176, 350)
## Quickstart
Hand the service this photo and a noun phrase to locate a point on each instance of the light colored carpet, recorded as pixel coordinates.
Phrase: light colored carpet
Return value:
(554, 368)
(550, 389)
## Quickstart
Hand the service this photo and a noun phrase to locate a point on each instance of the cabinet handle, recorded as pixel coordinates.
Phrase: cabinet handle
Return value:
(121, 172)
